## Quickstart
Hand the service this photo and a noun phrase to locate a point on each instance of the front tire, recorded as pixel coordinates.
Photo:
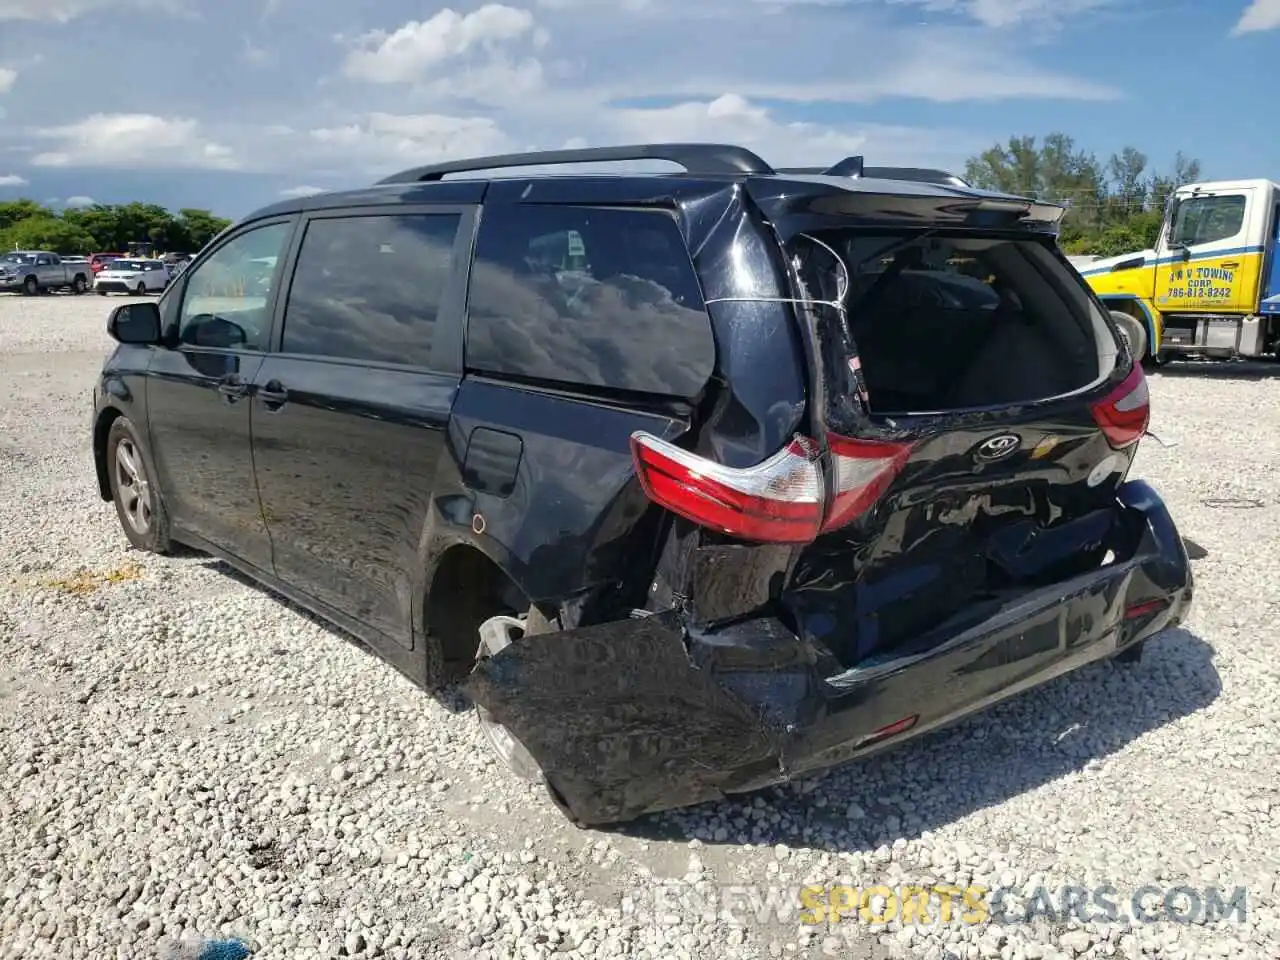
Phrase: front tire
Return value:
(135, 494)
(31, 286)
(142, 290)
(1133, 333)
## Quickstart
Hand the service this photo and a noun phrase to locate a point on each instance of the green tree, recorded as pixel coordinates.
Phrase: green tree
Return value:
(201, 226)
(46, 233)
(14, 211)
(1111, 208)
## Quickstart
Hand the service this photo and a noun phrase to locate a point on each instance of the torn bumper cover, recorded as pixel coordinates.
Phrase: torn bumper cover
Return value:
(632, 717)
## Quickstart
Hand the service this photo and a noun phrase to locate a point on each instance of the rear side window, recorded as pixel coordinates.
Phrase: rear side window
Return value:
(601, 298)
(369, 288)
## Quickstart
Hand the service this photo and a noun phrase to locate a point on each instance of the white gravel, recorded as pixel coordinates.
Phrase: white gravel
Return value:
(183, 753)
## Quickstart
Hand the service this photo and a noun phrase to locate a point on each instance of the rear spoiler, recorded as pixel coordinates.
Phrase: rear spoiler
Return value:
(854, 167)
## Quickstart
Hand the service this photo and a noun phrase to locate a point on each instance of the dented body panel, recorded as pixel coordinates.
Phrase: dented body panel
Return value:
(637, 716)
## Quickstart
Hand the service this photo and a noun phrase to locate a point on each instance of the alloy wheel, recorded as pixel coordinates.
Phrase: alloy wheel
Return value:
(132, 486)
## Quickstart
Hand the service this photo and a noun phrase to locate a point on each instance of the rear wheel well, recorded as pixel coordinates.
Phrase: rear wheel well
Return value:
(101, 430)
(467, 589)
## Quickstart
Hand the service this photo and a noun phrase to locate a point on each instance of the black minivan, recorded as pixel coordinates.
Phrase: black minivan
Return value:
(699, 480)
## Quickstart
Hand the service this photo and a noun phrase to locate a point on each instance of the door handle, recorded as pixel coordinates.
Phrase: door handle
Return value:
(273, 395)
(232, 388)
(1233, 265)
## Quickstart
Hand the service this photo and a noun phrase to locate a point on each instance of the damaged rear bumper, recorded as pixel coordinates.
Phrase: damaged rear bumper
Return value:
(632, 717)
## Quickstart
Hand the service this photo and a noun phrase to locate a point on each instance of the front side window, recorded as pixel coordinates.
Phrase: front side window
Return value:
(227, 298)
(1208, 220)
(370, 288)
(601, 298)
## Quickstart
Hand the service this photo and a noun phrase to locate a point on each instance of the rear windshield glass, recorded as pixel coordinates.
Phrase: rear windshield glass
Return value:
(945, 322)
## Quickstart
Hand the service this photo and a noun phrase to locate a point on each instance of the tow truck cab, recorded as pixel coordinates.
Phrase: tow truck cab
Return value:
(1211, 286)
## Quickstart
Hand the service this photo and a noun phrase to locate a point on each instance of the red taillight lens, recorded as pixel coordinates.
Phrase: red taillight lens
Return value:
(863, 471)
(778, 501)
(1123, 415)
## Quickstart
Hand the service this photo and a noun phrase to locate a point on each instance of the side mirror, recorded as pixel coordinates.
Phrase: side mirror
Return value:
(135, 323)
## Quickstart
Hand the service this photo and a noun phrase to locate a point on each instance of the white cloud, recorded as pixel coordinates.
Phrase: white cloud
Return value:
(132, 140)
(64, 11)
(302, 191)
(8, 76)
(732, 118)
(496, 75)
(1260, 15)
(379, 142)
(1005, 13)
(412, 52)
(11, 180)
(76, 202)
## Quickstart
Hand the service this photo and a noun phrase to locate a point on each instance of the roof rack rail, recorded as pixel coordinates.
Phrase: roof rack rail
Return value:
(696, 158)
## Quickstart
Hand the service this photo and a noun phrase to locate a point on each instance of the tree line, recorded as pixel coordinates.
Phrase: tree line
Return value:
(1113, 207)
(109, 228)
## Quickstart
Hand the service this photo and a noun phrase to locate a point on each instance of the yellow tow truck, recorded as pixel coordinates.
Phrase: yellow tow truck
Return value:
(1211, 286)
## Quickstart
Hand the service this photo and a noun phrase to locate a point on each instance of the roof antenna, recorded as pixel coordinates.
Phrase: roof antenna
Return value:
(848, 167)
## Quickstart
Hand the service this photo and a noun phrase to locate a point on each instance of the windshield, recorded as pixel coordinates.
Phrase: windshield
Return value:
(1208, 219)
(18, 258)
(125, 265)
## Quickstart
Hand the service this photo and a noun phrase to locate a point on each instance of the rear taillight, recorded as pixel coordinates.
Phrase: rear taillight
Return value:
(863, 470)
(780, 500)
(1123, 415)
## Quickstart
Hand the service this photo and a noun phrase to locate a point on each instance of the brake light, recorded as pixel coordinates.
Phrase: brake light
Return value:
(863, 469)
(1123, 415)
(780, 500)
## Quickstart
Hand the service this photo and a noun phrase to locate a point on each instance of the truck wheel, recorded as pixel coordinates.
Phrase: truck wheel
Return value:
(1155, 361)
(1133, 332)
(1131, 654)
(79, 285)
(31, 286)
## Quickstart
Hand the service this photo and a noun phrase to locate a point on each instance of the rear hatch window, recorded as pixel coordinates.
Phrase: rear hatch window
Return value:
(985, 427)
(960, 321)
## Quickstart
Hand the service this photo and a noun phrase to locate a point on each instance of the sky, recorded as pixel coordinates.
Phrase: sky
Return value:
(232, 105)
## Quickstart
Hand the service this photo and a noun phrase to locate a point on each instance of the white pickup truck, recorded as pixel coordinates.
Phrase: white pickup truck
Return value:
(37, 271)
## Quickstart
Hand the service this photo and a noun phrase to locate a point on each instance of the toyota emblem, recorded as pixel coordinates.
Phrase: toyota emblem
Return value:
(999, 446)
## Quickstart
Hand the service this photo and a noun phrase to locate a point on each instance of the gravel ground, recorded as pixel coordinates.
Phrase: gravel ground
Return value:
(187, 755)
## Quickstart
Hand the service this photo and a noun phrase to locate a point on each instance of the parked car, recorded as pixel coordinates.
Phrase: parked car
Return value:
(138, 277)
(99, 261)
(39, 271)
(175, 270)
(700, 481)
